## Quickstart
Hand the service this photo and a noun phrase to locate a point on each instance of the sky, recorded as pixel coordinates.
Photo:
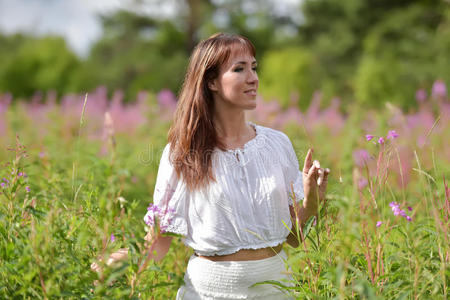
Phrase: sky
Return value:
(76, 20)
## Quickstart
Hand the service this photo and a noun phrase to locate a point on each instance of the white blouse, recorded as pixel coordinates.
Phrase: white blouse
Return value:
(248, 205)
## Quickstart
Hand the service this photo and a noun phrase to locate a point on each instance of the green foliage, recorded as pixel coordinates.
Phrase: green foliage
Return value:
(36, 64)
(78, 196)
(286, 72)
(392, 66)
(365, 51)
(136, 53)
(360, 43)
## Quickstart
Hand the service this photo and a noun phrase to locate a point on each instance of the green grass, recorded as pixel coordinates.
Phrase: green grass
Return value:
(50, 235)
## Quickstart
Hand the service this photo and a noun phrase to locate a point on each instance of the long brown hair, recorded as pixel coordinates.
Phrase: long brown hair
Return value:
(192, 136)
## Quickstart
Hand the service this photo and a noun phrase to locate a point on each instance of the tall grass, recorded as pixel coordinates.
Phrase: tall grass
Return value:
(61, 209)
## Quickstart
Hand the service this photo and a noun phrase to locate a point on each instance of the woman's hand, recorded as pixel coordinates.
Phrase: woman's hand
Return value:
(114, 258)
(315, 180)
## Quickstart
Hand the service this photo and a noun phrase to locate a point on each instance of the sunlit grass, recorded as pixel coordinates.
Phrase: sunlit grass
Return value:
(85, 183)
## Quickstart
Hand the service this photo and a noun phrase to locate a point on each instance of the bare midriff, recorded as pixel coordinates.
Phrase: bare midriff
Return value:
(246, 254)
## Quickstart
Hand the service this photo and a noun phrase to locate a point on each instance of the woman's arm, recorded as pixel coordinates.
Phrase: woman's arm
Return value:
(156, 247)
(315, 180)
(302, 216)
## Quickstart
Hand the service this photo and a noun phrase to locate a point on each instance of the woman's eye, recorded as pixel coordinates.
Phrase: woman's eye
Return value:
(255, 68)
(238, 69)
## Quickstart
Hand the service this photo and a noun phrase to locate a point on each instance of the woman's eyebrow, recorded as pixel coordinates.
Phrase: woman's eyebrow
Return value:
(244, 62)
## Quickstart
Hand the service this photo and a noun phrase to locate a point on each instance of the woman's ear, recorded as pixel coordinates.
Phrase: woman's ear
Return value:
(212, 85)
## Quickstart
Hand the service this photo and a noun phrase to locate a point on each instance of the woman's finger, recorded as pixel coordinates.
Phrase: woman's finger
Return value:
(308, 162)
(321, 172)
(311, 172)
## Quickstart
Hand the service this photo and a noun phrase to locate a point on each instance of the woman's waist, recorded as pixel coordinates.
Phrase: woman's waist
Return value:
(245, 254)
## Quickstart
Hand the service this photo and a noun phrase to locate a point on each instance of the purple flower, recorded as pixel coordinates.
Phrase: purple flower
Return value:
(381, 140)
(20, 174)
(166, 99)
(27, 188)
(369, 137)
(379, 224)
(421, 95)
(112, 238)
(439, 90)
(361, 156)
(409, 208)
(164, 216)
(392, 135)
(2, 185)
(397, 211)
(362, 183)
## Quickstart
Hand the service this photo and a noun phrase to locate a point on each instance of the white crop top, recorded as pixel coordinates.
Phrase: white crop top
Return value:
(248, 205)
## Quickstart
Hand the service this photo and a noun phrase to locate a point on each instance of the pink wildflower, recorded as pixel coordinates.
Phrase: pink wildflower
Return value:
(164, 217)
(421, 95)
(379, 224)
(392, 135)
(362, 183)
(397, 211)
(439, 90)
(27, 188)
(369, 137)
(112, 238)
(381, 140)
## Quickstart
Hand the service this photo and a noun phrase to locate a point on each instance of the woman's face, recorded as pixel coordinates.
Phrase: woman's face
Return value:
(237, 82)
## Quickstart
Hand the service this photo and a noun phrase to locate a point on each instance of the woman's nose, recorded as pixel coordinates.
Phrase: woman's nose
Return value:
(252, 77)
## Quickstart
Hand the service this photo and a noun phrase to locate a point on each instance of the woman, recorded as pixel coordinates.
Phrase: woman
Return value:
(229, 186)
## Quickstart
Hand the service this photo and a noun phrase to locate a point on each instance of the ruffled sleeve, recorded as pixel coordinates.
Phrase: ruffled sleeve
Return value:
(292, 175)
(169, 199)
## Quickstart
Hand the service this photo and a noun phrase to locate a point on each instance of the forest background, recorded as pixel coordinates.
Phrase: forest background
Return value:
(364, 83)
(365, 51)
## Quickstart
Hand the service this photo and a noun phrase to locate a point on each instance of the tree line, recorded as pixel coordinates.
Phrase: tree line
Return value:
(365, 51)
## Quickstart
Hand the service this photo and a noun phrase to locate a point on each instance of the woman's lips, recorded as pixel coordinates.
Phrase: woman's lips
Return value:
(251, 92)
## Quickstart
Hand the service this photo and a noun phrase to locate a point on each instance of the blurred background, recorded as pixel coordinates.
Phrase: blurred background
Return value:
(363, 82)
(368, 52)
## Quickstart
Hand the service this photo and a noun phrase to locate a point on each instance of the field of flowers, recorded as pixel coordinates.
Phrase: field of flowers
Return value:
(77, 175)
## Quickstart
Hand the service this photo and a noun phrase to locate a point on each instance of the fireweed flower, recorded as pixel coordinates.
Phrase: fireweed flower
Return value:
(379, 224)
(361, 156)
(439, 90)
(392, 135)
(398, 211)
(381, 140)
(369, 137)
(421, 95)
(362, 183)
(162, 215)
(112, 238)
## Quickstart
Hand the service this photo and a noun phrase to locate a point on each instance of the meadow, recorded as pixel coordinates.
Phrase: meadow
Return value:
(78, 171)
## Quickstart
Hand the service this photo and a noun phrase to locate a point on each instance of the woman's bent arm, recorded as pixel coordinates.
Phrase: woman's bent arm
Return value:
(302, 216)
(156, 247)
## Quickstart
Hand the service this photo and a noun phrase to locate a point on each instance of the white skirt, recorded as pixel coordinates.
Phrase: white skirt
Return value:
(220, 280)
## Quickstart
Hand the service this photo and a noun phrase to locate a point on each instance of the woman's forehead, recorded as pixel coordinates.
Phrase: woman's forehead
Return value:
(239, 53)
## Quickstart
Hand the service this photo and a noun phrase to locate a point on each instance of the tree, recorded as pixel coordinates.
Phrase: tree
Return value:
(36, 64)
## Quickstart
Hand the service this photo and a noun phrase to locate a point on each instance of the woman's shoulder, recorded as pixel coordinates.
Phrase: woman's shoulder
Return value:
(273, 134)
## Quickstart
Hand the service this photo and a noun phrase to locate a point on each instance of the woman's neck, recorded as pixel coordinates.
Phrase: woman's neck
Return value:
(233, 129)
